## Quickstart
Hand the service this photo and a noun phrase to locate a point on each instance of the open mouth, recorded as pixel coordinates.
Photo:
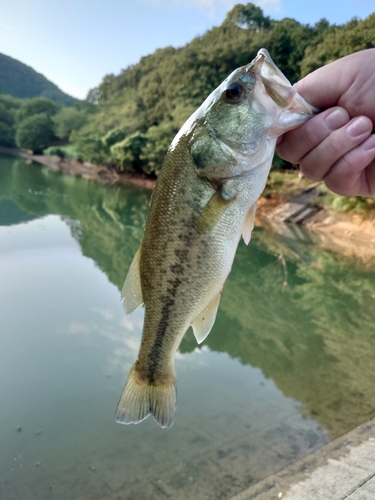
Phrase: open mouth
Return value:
(275, 83)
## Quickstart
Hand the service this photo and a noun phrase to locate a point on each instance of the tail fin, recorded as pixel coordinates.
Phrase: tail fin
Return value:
(141, 398)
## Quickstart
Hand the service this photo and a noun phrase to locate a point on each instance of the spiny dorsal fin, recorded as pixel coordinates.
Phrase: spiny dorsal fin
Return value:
(214, 210)
(248, 224)
(205, 321)
(131, 293)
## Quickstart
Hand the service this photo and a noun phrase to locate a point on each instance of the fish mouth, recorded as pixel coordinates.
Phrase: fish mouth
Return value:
(275, 83)
(277, 86)
(267, 69)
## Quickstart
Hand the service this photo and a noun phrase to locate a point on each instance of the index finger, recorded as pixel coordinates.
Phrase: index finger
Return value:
(341, 83)
(298, 142)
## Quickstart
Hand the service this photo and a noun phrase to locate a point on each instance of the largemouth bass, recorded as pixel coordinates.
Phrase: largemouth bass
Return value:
(204, 199)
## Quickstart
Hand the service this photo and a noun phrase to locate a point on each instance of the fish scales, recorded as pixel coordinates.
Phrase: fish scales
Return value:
(173, 257)
(205, 198)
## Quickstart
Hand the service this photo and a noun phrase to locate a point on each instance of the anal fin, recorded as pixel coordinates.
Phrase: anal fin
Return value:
(131, 293)
(248, 224)
(205, 321)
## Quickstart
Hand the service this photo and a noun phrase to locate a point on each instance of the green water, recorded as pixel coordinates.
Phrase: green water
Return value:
(288, 366)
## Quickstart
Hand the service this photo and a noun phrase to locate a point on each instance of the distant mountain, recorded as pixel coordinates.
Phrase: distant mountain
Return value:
(22, 81)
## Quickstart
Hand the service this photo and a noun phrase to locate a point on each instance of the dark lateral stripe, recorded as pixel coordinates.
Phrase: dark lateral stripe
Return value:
(157, 347)
(178, 267)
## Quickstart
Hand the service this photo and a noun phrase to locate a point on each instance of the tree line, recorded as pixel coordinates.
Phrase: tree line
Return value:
(38, 123)
(129, 120)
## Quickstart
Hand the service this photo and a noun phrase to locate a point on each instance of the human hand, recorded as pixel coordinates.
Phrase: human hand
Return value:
(338, 145)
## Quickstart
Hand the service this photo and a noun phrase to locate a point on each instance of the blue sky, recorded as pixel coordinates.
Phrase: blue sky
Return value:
(74, 43)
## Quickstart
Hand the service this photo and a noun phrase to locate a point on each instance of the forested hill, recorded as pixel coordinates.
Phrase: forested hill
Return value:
(139, 111)
(129, 120)
(22, 81)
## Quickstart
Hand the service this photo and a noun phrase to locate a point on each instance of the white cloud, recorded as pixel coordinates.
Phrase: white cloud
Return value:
(128, 324)
(107, 314)
(78, 328)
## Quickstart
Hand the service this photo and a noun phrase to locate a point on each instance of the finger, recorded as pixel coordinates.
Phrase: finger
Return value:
(317, 163)
(354, 173)
(322, 88)
(327, 86)
(298, 142)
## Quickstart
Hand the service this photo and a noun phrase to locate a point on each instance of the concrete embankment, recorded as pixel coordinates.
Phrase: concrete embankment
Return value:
(343, 469)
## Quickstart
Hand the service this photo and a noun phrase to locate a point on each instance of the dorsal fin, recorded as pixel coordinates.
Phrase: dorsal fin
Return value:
(205, 321)
(248, 224)
(131, 293)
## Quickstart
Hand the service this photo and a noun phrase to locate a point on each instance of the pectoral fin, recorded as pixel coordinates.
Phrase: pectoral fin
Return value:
(248, 224)
(131, 293)
(214, 210)
(205, 321)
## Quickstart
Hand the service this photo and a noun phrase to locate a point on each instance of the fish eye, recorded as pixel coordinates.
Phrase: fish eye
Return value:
(234, 92)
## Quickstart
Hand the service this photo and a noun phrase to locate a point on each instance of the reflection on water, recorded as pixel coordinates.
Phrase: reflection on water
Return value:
(287, 366)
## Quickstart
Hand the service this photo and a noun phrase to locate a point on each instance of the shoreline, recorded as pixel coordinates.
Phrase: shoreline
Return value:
(86, 170)
(347, 234)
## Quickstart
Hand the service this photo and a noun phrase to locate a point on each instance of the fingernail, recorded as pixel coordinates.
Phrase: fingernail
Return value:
(369, 143)
(358, 126)
(336, 119)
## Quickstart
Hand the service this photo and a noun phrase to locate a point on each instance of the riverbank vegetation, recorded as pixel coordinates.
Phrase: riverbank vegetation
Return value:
(129, 120)
(138, 112)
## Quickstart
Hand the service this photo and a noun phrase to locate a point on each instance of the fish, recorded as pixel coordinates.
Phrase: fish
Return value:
(204, 200)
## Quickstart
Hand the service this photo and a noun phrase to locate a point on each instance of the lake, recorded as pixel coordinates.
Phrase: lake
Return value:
(288, 366)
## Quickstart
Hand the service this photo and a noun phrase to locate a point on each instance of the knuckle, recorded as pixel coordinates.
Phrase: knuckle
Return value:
(343, 176)
(287, 150)
(310, 170)
(338, 186)
(334, 146)
(313, 134)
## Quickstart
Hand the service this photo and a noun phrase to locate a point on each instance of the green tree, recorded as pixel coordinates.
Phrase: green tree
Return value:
(128, 152)
(113, 136)
(247, 16)
(69, 119)
(37, 106)
(8, 109)
(9, 102)
(339, 41)
(6, 135)
(155, 148)
(6, 115)
(35, 133)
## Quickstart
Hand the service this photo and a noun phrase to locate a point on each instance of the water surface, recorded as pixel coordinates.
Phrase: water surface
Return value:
(287, 367)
